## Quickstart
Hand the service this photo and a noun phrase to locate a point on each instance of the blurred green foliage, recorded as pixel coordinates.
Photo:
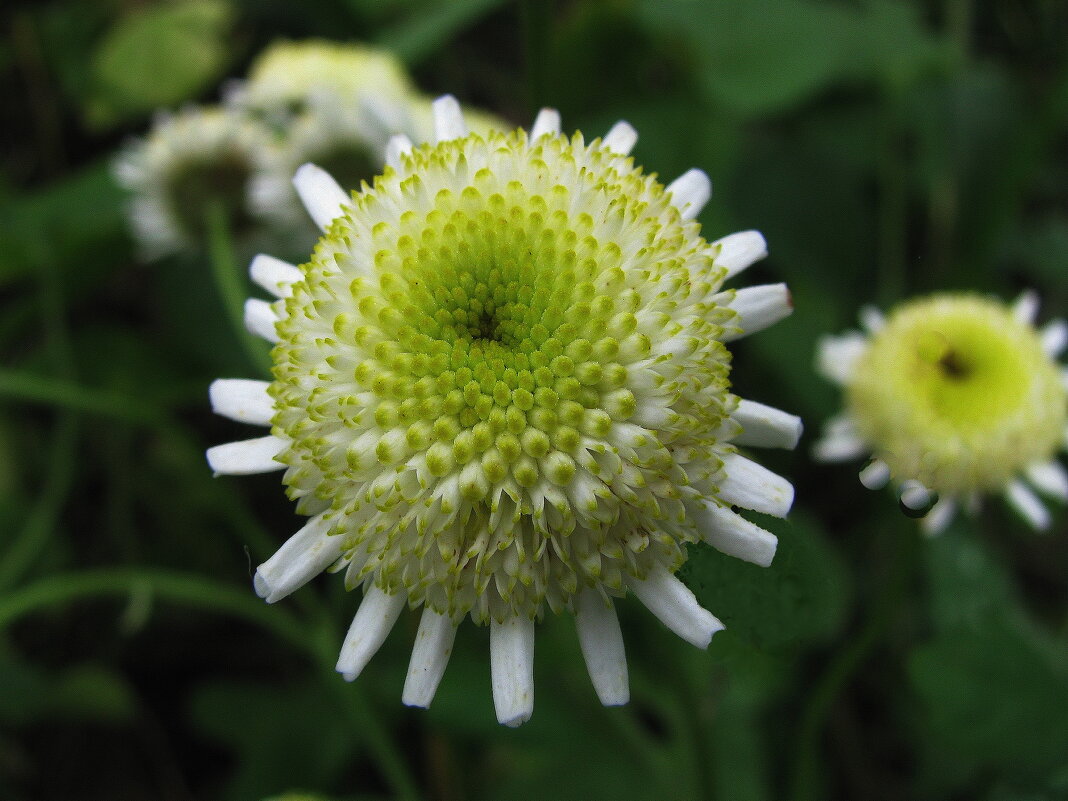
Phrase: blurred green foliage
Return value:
(885, 148)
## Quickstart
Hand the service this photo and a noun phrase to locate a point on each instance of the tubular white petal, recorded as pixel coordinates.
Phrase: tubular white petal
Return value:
(732, 534)
(875, 475)
(839, 447)
(448, 119)
(757, 308)
(940, 516)
(872, 319)
(260, 319)
(1054, 338)
(303, 557)
(1028, 505)
(752, 486)
(398, 145)
(621, 138)
(512, 669)
(373, 621)
(274, 275)
(602, 647)
(547, 122)
(690, 192)
(766, 427)
(430, 655)
(836, 356)
(915, 495)
(740, 250)
(1025, 307)
(321, 195)
(675, 606)
(242, 399)
(247, 456)
(1049, 478)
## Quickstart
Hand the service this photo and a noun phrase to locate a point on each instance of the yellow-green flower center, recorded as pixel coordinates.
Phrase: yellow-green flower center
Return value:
(958, 394)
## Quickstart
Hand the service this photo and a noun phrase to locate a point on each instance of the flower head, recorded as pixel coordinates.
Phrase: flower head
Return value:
(188, 161)
(954, 396)
(288, 76)
(501, 389)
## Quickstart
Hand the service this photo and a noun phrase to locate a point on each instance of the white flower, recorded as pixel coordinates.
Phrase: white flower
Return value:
(288, 76)
(501, 388)
(954, 396)
(347, 138)
(186, 161)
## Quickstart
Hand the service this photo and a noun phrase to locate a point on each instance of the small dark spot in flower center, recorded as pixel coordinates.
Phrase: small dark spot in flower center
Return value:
(953, 366)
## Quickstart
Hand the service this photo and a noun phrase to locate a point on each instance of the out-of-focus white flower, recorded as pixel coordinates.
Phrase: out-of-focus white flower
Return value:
(954, 396)
(501, 388)
(187, 161)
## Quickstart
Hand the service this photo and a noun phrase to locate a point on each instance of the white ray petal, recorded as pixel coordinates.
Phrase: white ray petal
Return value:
(621, 138)
(397, 146)
(675, 606)
(690, 192)
(304, 556)
(547, 122)
(732, 534)
(448, 119)
(875, 474)
(1025, 307)
(430, 655)
(839, 447)
(752, 486)
(1028, 505)
(1054, 337)
(758, 307)
(602, 647)
(512, 669)
(837, 355)
(915, 495)
(766, 427)
(940, 516)
(1049, 478)
(247, 456)
(242, 399)
(321, 195)
(740, 250)
(260, 319)
(373, 621)
(872, 319)
(274, 275)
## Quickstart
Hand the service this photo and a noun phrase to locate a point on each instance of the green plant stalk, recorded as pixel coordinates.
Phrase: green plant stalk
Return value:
(198, 592)
(24, 386)
(229, 285)
(844, 663)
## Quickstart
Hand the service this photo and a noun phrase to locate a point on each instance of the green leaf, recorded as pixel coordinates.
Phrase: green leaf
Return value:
(158, 57)
(766, 56)
(281, 735)
(801, 597)
(429, 27)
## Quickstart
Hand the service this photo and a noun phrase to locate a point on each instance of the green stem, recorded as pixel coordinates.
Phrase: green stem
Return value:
(34, 535)
(25, 386)
(805, 779)
(192, 590)
(229, 285)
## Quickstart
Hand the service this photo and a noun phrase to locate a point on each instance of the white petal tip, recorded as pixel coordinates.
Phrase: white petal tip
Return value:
(448, 119)
(321, 195)
(737, 251)
(546, 123)
(621, 138)
(690, 192)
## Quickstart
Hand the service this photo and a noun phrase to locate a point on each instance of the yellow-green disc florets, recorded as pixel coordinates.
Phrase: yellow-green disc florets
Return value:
(502, 372)
(958, 394)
